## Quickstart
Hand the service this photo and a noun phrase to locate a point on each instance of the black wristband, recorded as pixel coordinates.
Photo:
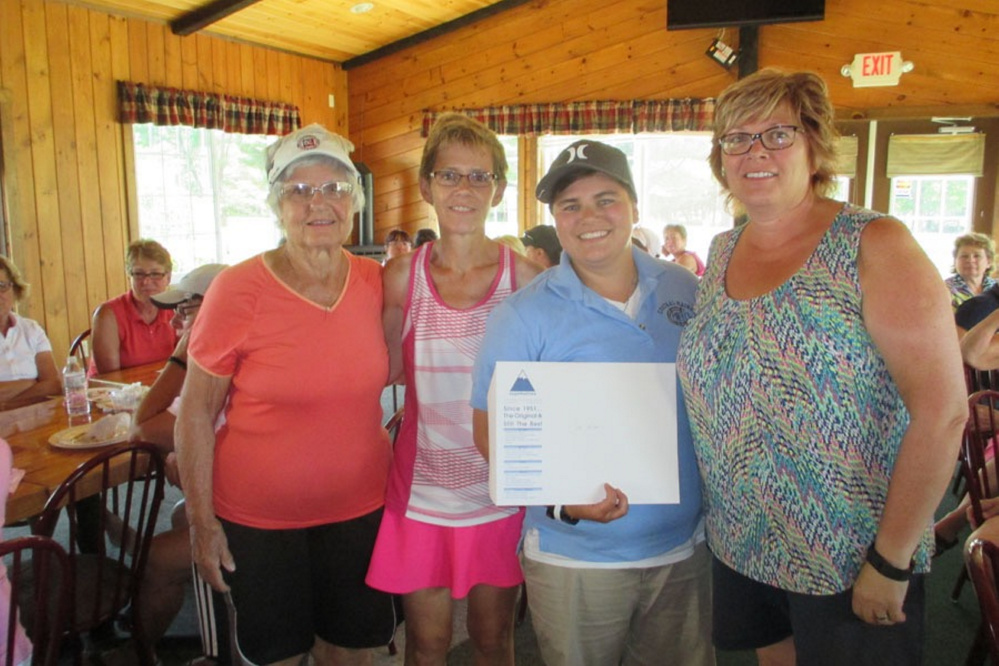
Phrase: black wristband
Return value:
(181, 363)
(886, 568)
(562, 515)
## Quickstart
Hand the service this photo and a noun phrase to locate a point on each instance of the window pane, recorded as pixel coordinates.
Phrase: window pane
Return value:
(937, 209)
(202, 194)
(502, 219)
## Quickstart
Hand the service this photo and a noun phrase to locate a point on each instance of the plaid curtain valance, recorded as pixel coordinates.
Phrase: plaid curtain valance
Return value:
(139, 103)
(597, 117)
(674, 115)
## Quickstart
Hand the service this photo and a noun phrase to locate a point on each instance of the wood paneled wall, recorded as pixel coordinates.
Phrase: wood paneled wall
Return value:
(569, 50)
(64, 170)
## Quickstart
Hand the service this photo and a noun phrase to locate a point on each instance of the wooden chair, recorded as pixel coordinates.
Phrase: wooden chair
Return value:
(39, 575)
(128, 482)
(80, 347)
(393, 424)
(981, 558)
(980, 434)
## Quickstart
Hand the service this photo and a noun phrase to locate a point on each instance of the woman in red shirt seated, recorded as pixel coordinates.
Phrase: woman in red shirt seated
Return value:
(130, 330)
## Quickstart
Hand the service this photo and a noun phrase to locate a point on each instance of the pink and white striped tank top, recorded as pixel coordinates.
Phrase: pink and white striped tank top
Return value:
(435, 458)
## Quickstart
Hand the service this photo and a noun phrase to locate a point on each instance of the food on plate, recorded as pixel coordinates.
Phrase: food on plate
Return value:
(106, 429)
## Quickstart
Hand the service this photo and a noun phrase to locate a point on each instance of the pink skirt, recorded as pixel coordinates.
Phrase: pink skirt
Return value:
(410, 555)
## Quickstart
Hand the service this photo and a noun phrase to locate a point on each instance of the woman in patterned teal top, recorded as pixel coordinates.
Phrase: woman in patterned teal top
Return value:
(825, 393)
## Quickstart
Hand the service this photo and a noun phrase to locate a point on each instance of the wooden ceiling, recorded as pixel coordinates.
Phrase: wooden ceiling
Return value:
(327, 29)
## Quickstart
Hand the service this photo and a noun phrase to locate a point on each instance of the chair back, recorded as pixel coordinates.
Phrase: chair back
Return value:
(80, 347)
(979, 441)
(393, 425)
(127, 482)
(981, 557)
(40, 585)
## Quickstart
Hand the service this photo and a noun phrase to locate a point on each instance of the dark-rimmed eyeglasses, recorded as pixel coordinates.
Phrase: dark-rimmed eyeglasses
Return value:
(188, 307)
(777, 137)
(303, 192)
(451, 178)
(5, 286)
(139, 276)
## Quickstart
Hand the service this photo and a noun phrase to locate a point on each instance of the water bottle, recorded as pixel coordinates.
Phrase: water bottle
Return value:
(74, 386)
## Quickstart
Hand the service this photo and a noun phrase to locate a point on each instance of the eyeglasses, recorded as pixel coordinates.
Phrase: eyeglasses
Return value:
(5, 287)
(451, 178)
(187, 308)
(303, 192)
(139, 276)
(777, 137)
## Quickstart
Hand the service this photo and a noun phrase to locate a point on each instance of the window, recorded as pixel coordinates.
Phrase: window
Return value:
(674, 182)
(937, 209)
(502, 219)
(202, 194)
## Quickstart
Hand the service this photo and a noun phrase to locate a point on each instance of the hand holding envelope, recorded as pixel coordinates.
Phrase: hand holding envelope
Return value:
(612, 507)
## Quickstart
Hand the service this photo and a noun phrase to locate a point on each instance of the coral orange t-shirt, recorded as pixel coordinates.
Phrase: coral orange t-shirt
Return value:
(302, 443)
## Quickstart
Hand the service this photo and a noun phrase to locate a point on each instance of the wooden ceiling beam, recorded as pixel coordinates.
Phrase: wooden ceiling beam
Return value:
(205, 15)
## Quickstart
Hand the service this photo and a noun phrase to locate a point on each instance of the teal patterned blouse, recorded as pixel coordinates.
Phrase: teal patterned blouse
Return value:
(796, 421)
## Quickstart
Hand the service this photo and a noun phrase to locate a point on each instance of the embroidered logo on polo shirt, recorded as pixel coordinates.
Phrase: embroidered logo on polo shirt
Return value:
(677, 312)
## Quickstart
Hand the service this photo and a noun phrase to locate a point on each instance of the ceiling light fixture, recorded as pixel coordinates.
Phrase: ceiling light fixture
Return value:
(362, 8)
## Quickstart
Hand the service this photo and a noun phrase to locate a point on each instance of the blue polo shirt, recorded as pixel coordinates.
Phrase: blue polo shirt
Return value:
(556, 318)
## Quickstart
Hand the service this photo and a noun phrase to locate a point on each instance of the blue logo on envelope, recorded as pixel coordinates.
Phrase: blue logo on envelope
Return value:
(522, 385)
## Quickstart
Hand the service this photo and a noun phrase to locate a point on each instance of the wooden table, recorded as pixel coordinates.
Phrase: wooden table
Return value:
(27, 429)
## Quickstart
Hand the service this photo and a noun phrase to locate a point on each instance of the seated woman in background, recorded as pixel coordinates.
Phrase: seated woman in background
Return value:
(675, 247)
(397, 242)
(130, 330)
(27, 368)
(974, 254)
(168, 570)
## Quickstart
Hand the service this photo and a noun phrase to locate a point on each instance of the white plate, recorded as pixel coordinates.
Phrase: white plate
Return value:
(72, 438)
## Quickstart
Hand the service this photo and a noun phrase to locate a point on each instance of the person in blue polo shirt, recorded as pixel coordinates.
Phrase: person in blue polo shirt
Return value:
(607, 583)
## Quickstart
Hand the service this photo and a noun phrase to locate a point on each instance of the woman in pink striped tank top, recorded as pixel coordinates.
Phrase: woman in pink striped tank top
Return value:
(441, 537)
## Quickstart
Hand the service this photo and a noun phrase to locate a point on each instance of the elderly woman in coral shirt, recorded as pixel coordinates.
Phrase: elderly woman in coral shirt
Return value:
(130, 330)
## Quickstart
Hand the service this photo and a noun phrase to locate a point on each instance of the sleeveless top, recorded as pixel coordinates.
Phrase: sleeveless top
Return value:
(140, 343)
(796, 421)
(438, 475)
(699, 270)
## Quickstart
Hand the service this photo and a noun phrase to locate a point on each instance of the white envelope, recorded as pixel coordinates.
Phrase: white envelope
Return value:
(559, 431)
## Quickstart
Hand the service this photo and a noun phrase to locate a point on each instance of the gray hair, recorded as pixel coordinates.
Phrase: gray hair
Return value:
(356, 196)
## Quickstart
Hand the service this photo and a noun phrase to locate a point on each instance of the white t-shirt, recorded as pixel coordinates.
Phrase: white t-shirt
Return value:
(18, 348)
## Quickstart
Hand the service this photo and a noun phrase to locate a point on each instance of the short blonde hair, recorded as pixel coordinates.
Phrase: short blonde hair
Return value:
(513, 243)
(21, 288)
(145, 248)
(458, 128)
(759, 95)
(678, 228)
(979, 241)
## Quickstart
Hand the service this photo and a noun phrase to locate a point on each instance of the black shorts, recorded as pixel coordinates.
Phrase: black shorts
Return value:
(750, 615)
(293, 585)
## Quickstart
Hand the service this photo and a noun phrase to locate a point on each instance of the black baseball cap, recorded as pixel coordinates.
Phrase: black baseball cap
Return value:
(581, 155)
(543, 236)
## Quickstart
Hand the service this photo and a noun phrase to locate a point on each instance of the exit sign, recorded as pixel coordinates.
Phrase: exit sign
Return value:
(876, 69)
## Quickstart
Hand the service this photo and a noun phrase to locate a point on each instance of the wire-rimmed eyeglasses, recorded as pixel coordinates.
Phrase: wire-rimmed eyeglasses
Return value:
(777, 137)
(451, 178)
(303, 192)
